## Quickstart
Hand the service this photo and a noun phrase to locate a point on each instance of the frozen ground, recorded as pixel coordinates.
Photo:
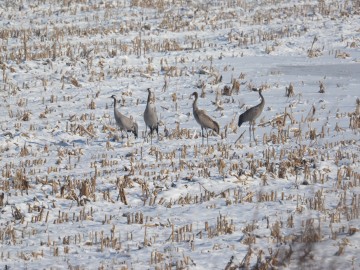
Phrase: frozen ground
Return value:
(76, 195)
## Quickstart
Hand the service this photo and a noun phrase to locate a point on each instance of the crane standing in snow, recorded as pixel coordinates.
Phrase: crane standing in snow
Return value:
(205, 121)
(252, 114)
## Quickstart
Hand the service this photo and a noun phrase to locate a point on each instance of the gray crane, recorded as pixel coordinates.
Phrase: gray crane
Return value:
(203, 119)
(150, 116)
(252, 114)
(124, 123)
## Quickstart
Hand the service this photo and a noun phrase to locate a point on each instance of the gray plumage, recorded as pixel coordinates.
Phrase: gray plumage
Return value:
(204, 120)
(150, 115)
(252, 114)
(125, 123)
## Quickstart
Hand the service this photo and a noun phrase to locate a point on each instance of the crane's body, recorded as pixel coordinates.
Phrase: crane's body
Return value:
(204, 120)
(124, 123)
(252, 114)
(150, 115)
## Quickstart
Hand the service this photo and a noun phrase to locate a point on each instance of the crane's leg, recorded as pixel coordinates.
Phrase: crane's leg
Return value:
(151, 132)
(207, 136)
(202, 135)
(147, 134)
(157, 132)
(250, 130)
(254, 131)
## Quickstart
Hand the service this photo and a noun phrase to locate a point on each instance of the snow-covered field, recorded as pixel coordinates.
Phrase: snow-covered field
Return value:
(75, 194)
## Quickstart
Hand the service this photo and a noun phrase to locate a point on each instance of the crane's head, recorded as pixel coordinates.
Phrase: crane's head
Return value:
(240, 121)
(216, 128)
(257, 89)
(113, 96)
(195, 94)
(151, 95)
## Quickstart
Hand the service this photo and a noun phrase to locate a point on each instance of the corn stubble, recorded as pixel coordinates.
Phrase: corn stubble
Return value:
(50, 170)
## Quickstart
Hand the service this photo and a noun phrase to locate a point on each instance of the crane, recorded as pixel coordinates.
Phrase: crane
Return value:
(252, 114)
(204, 120)
(124, 123)
(150, 115)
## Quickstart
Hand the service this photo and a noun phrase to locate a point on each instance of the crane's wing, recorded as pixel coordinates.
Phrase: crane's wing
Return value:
(207, 121)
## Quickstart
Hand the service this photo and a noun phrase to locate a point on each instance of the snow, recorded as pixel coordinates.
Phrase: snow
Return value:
(78, 195)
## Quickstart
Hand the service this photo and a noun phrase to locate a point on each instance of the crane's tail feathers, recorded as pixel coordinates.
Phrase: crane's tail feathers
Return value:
(217, 127)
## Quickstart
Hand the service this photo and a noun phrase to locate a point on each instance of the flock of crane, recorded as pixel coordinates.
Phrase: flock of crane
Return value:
(128, 124)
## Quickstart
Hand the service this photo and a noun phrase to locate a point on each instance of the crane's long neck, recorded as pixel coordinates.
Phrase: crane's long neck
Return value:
(114, 103)
(262, 103)
(195, 107)
(149, 98)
